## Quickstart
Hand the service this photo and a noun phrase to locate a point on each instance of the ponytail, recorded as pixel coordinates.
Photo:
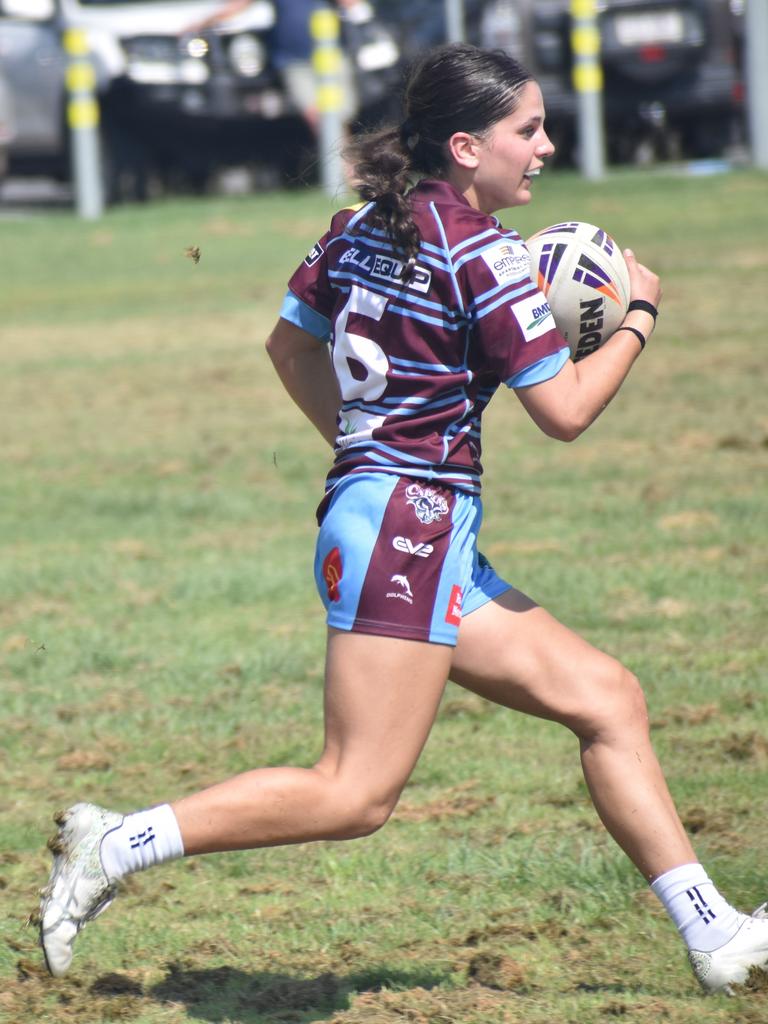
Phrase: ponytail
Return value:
(383, 174)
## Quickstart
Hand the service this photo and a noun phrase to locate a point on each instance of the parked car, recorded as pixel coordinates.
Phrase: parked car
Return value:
(671, 67)
(175, 106)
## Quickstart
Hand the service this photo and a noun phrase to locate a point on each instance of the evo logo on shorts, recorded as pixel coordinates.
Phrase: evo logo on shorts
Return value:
(409, 548)
(453, 615)
(332, 573)
(534, 316)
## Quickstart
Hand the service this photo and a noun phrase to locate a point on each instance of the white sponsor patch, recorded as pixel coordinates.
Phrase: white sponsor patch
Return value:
(508, 262)
(534, 316)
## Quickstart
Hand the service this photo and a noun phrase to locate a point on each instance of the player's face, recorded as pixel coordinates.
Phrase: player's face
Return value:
(512, 154)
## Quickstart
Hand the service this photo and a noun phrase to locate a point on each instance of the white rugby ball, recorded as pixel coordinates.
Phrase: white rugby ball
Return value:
(584, 277)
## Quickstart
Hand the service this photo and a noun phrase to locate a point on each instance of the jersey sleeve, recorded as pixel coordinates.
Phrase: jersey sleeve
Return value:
(310, 287)
(513, 330)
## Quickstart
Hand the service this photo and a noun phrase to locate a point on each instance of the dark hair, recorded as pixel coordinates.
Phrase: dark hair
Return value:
(453, 88)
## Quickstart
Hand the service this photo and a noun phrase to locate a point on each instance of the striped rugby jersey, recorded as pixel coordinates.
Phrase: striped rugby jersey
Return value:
(417, 363)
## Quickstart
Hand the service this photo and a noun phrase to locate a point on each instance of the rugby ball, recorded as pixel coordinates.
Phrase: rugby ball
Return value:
(584, 277)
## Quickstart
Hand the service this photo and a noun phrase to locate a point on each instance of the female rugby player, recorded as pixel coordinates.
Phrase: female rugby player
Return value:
(397, 329)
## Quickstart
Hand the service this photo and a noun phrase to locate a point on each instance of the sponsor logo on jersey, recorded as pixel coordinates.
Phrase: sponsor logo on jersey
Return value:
(453, 614)
(313, 255)
(332, 573)
(534, 316)
(389, 269)
(429, 505)
(418, 549)
(404, 593)
(507, 262)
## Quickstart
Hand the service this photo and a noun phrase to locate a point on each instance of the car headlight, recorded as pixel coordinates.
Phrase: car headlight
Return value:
(247, 55)
(157, 60)
(197, 46)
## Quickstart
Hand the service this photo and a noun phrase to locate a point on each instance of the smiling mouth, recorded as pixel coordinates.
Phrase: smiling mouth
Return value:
(532, 174)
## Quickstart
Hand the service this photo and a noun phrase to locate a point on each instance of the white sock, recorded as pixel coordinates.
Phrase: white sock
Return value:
(703, 917)
(144, 839)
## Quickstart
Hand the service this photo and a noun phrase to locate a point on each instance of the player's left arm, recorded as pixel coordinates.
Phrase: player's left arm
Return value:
(564, 406)
(304, 366)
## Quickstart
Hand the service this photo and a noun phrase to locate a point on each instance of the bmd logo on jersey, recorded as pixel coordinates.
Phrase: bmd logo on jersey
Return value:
(507, 262)
(389, 269)
(534, 316)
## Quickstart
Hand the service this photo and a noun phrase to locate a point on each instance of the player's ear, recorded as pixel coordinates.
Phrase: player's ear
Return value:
(464, 149)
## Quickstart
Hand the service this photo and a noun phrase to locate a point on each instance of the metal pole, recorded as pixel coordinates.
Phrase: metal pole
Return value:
(326, 61)
(454, 21)
(756, 59)
(83, 121)
(588, 83)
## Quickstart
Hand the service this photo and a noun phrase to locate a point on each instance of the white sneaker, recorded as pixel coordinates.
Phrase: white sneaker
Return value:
(78, 888)
(728, 966)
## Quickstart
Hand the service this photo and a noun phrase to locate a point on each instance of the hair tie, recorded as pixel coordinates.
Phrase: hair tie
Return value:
(409, 134)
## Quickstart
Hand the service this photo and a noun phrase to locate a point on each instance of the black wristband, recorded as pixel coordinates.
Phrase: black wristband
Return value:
(646, 307)
(633, 330)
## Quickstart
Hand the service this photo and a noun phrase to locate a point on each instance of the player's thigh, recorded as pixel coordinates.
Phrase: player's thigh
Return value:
(381, 698)
(515, 653)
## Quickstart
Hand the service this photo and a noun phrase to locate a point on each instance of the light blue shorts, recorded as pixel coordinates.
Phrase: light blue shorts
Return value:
(397, 556)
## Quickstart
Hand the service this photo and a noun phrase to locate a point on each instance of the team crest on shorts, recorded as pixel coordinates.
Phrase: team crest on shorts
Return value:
(428, 504)
(332, 573)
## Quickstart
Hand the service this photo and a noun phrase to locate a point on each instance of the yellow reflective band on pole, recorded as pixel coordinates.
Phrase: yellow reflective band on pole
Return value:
(585, 42)
(588, 78)
(75, 42)
(324, 26)
(82, 113)
(583, 8)
(329, 99)
(326, 60)
(80, 77)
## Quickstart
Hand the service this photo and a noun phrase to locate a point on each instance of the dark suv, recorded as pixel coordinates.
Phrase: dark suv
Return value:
(671, 69)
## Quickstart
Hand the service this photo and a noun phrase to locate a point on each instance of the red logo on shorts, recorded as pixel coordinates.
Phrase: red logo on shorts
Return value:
(332, 573)
(453, 615)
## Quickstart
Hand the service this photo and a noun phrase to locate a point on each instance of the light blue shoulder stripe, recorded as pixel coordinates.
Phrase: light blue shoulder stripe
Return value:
(444, 238)
(297, 312)
(544, 369)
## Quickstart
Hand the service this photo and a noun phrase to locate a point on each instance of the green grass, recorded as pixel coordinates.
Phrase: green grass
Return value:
(159, 630)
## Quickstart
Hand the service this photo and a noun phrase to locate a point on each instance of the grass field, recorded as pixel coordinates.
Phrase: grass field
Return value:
(159, 630)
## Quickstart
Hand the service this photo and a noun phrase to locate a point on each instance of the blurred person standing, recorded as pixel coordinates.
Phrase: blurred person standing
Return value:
(291, 46)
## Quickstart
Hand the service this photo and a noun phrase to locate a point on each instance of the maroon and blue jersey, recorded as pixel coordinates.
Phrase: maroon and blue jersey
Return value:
(417, 361)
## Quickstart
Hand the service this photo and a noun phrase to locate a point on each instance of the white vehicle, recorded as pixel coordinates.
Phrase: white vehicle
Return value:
(175, 105)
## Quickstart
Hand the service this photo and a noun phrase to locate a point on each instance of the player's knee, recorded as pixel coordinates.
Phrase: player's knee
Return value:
(616, 704)
(366, 813)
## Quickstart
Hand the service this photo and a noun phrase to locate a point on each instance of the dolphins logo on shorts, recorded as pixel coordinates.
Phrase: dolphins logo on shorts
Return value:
(428, 504)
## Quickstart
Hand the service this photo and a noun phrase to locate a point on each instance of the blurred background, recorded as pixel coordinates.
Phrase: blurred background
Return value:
(206, 96)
